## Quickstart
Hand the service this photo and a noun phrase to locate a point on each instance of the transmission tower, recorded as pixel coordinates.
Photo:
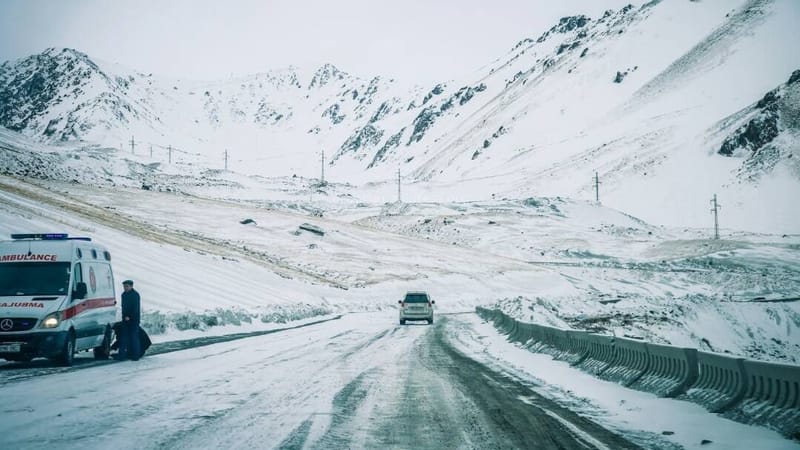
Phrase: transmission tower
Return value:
(715, 210)
(596, 188)
(398, 186)
(322, 176)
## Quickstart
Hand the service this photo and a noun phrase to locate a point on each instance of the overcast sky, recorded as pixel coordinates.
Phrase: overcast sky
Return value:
(419, 41)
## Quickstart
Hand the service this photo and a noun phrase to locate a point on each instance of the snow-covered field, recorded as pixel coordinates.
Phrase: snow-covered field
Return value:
(554, 261)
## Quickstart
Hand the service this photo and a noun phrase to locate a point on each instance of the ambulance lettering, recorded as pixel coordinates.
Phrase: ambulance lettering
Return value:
(22, 305)
(31, 257)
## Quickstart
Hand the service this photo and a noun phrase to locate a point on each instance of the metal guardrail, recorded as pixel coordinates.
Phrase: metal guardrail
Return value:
(751, 392)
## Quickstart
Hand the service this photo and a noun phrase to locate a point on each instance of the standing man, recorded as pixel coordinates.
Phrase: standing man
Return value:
(131, 316)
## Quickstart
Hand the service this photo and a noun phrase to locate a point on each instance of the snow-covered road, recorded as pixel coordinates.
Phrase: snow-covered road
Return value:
(359, 382)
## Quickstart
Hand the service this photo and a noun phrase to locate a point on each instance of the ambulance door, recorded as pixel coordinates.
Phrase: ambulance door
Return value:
(103, 312)
(76, 309)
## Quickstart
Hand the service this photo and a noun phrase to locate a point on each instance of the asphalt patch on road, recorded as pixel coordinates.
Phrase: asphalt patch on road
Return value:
(515, 414)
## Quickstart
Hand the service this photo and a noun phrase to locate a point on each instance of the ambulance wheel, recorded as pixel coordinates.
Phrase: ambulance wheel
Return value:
(67, 356)
(104, 350)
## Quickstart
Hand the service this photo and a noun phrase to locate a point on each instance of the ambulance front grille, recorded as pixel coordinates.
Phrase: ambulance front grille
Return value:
(16, 324)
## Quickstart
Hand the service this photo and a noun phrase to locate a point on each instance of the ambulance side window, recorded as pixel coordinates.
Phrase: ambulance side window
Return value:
(77, 278)
(103, 280)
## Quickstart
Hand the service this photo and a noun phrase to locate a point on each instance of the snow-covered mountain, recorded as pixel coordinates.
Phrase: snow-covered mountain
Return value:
(658, 98)
(63, 95)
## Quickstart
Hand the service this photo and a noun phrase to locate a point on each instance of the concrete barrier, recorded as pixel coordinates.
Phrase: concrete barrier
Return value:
(561, 347)
(553, 339)
(504, 323)
(599, 355)
(539, 342)
(720, 384)
(577, 345)
(772, 397)
(631, 361)
(752, 392)
(524, 333)
(670, 372)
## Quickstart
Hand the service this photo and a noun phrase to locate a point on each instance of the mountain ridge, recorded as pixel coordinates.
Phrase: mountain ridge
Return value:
(632, 95)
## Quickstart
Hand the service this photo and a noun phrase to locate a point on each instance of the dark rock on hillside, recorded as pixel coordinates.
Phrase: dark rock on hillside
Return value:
(565, 25)
(365, 137)
(422, 122)
(325, 75)
(392, 142)
(765, 126)
(753, 135)
(333, 112)
(382, 111)
(427, 116)
(768, 99)
(437, 90)
(794, 78)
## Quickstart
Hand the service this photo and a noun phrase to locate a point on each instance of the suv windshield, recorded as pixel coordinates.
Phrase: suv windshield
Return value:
(416, 298)
(34, 278)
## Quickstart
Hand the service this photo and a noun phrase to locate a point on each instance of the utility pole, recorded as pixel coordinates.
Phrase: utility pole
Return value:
(133, 144)
(169, 150)
(715, 210)
(596, 188)
(398, 185)
(151, 151)
(226, 159)
(322, 180)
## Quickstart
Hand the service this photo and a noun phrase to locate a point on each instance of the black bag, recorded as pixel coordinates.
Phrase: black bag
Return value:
(144, 339)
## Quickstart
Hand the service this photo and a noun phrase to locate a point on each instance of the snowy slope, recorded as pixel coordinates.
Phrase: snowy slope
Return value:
(553, 261)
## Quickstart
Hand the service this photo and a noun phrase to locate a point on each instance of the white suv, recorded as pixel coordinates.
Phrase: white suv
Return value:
(417, 305)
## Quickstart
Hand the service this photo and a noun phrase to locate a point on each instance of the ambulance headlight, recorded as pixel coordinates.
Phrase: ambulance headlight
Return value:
(52, 320)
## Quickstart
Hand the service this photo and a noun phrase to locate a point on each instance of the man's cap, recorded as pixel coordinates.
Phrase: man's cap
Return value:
(127, 283)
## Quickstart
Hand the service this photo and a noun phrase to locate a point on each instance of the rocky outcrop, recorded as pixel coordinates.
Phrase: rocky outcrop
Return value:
(767, 122)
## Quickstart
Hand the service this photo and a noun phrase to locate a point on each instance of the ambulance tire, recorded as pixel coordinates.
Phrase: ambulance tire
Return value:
(67, 356)
(104, 350)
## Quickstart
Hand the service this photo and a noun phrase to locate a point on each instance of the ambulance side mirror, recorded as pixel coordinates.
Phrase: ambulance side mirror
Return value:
(80, 291)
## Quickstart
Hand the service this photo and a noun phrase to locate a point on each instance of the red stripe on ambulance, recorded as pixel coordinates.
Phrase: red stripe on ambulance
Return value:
(73, 311)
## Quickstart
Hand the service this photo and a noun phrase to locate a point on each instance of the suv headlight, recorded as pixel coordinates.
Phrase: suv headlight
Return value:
(52, 320)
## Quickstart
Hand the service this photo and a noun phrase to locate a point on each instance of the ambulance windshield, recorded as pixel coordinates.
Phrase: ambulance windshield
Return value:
(34, 278)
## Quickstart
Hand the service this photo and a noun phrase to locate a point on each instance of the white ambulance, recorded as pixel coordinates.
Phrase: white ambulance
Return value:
(56, 297)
